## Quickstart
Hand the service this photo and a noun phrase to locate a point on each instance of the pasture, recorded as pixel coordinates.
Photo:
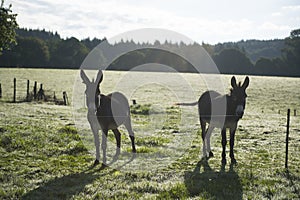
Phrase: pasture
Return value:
(46, 150)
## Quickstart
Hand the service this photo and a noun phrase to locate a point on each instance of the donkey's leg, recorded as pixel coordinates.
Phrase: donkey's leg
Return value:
(103, 145)
(97, 143)
(224, 142)
(207, 137)
(131, 133)
(203, 129)
(231, 142)
(118, 139)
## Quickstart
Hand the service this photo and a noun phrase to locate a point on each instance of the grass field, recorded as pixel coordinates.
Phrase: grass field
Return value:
(46, 150)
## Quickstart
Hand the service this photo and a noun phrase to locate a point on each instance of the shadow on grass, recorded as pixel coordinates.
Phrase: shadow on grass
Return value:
(292, 179)
(67, 186)
(63, 187)
(211, 184)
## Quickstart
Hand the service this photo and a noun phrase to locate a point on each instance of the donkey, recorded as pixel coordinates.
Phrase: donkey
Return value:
(106, 112)
(221, 111)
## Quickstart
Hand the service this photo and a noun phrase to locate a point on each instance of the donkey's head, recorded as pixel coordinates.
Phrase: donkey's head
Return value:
(92, 90)
(238, 95)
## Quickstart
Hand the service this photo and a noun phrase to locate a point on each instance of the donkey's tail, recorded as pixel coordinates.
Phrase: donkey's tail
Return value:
(187, 104)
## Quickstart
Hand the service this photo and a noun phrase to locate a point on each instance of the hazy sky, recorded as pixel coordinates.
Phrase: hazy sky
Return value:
(210, 21)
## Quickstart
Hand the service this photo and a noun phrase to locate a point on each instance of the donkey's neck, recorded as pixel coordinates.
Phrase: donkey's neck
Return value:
(231, 106)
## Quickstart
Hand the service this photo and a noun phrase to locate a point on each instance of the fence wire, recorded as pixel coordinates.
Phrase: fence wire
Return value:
(23, 91)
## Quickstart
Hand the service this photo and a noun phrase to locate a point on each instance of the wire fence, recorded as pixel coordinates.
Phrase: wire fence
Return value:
(23, 90)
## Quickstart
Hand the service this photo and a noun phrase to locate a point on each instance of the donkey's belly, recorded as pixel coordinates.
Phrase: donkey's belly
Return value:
(108, 122)
(221, 122)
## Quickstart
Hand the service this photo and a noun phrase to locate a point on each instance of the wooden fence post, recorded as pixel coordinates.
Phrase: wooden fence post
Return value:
(27, 91)
(0, 91)
(34, 90)
(41, 94)
(15, 87)
(287, 138)
(65, 97)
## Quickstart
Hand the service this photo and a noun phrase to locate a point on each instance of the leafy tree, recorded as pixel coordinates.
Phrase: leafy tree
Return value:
(90, 44)
(29, 52)
(264, 66)
(233, 61)
(41, 34)
(292, 52)
(8, 24)
(33, 51)
(209, 48)
(295, 33)
(68, 53)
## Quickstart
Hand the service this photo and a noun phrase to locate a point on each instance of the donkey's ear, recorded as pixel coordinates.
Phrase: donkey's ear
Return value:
(246, 82)
(99, 77)
(233, 82)
(84, 78)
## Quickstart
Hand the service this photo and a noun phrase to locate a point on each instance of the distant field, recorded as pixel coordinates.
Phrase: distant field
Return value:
(46, 150)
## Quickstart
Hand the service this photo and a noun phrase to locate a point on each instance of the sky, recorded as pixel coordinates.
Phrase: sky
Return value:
(209, 21)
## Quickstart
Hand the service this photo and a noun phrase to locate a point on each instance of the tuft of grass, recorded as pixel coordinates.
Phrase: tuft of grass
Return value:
(152, 141)
(68, 130)
(140, 109)
(177, 191)
(143, 149)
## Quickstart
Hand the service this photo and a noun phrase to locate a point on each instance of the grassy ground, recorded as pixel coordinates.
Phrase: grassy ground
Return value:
(45, 154)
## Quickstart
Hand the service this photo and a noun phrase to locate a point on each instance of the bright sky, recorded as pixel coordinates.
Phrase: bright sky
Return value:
(210, 21)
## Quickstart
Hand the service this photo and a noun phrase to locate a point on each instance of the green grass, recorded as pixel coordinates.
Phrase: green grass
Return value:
(140, 109)
(45, 154)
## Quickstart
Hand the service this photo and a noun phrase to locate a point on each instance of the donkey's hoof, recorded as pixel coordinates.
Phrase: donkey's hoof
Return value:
(211, 154)
(233, 161)
(96, 162)
(205, 158)
(224, 161)
(103, 166)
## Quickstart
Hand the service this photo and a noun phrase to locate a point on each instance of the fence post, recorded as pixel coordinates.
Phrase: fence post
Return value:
(34, 90)
(0, 91)
(287, 138)
(15, 87)
(41, 94)
(65, 97)
(27, 92)
(133, 101)
(295, 112)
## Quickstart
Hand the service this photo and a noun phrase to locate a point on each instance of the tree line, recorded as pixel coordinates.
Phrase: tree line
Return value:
(40, 48)
(44, 49)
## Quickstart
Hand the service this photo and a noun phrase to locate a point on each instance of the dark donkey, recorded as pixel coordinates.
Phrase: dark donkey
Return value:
(109, 111)
(222, 111)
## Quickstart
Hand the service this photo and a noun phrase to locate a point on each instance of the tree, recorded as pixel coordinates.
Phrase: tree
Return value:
(29, 52)
(233, 61)
(209, 48)
(291, 53)
(8, 25)
(68, 53)
(295, 33)
(264, 66)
